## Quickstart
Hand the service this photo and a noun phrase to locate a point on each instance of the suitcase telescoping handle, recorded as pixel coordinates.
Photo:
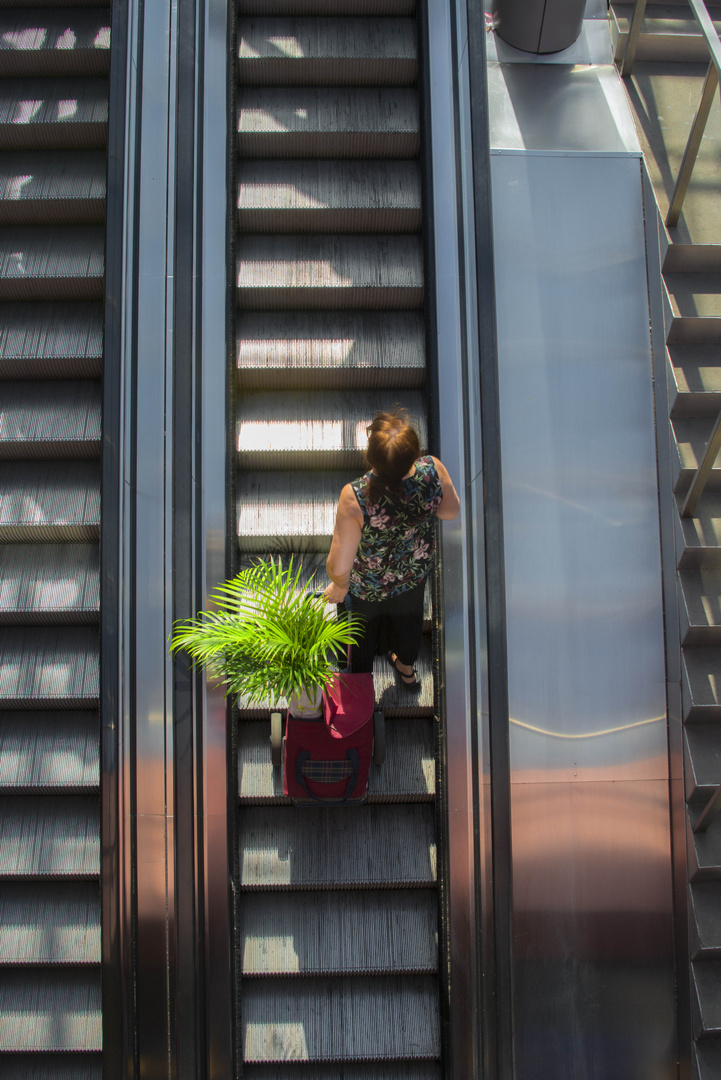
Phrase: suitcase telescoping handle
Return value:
(303, 757)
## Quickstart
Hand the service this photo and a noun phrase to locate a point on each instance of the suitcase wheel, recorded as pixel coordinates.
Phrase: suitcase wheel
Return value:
(379, 737)
(276, 737)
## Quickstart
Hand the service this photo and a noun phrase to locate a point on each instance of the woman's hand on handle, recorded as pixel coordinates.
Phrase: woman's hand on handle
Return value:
(335, 594)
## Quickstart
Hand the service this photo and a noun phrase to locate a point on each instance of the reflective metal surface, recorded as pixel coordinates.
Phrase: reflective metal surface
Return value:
(591, 836)
(464, 1037)
(214, 353)
(565, 108)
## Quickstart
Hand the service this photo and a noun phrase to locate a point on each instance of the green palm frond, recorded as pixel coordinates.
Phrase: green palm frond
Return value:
(267, 635)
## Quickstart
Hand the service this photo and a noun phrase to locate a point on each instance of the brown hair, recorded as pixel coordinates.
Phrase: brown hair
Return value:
(393, 446)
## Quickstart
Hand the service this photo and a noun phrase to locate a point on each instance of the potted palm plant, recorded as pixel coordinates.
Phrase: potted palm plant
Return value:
(268, 637)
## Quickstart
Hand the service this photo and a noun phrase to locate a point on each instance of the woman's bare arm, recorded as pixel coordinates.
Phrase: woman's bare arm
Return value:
(450, 503)
(346, 538)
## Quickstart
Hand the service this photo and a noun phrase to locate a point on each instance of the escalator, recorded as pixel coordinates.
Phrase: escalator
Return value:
(337, 908)
(53, 132)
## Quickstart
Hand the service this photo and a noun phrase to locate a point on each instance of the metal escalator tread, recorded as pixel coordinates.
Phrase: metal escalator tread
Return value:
(706, 980)
(43, 42)
(53, 187)
(392, 697)
(62, 114)
(51, 340)
(50, 420)
(378, 1070)
(72, 1066)
(328, 51)
(407, 775)
(49, 752)
(287, 511)
(335, 933)
(49, 837)
(51, 1010)
(306, 429)
(49, 924)
(318, 122)
(327, 196)
(357, 1019)
(383, 847)
(345, 350)
(329, 271)
(323, 7)
(49, 501)
(49, 668)
(52, 262)
(49, 583)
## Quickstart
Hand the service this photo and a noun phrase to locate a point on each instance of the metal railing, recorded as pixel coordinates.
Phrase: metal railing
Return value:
(711, 82)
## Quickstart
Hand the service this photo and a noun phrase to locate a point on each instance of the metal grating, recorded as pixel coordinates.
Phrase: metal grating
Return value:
(49, 501)
(52, 668)
(340, 1019)
(45, 420)
(367, 847)
(49, 924)
(339, 932)
(49, 837)
(53, 188)
(49, 752)
(40, 114)
(45, 340)
(50, 1010)
(49, 583)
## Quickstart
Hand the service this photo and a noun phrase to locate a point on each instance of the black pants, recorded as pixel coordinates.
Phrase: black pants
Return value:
(395, 624)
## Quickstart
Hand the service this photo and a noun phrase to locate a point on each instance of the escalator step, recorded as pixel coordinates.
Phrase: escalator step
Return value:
(288, 511)
(702, 762)
(50, 420)
(407, 775)
(355, 1019)
(62, 114)
(51, 341)
(330, 350)
(706, 998)
(704, 907)
(391, 696)
(312, 573)
(53, 188)
(87, 1066)
(54, 43)
(362, 847)
(49, 501)
(700, 604)
(48, 924)
(701, 686)
(327, 52)
(354, 933)
(698, 538)
(325, 7)
(57, 262)
(328, 196)
(50, 1010)
(49, 668)
(321, 430)
(393, 1070)
(49, 837)
(315, 122)
(49, 583)
(329, 272)
(49, 752)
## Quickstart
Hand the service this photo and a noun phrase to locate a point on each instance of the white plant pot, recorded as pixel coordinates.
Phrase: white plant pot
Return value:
(303, 707)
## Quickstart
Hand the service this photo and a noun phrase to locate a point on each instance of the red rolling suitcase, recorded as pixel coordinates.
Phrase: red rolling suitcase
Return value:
(327, 760)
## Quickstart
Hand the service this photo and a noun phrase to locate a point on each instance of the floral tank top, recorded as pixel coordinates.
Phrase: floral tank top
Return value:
(396, 546)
